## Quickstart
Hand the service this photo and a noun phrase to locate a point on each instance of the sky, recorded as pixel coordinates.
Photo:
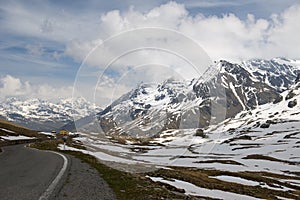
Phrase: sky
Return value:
(44, 44)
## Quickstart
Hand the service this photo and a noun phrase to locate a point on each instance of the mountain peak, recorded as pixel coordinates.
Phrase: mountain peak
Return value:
(245, 86)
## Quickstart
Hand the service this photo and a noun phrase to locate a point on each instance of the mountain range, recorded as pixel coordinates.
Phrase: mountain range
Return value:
(43, 115)
(232, 133)
(149, 109)
(224, 91)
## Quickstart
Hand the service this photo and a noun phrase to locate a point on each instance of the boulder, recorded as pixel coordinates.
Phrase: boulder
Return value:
(200, 133)
(292, 104)
(265, 125)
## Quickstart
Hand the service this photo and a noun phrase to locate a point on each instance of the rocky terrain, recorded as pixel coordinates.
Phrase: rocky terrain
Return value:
(150, 109)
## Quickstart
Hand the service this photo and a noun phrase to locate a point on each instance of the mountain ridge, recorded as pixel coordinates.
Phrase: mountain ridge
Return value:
(174, 104)
(240, 86)
(43, 115)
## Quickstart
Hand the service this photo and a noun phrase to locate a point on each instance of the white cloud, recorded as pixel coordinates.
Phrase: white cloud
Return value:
(226, 37)
(44, 22)
(284, 37)
(222, 37)
(14, 87)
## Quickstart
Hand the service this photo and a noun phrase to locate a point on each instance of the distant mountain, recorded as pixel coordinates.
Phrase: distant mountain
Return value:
(45, 116)
(150, 109)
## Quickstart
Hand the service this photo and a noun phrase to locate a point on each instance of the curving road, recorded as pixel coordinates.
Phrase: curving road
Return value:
(27, 173)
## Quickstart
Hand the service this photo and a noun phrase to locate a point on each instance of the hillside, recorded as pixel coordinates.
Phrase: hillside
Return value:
(11, 133)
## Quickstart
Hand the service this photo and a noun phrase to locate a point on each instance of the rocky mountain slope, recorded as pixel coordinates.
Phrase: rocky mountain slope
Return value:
(150, 109)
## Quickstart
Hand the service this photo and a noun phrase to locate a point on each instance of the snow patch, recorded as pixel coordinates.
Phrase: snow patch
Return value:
(191, 189)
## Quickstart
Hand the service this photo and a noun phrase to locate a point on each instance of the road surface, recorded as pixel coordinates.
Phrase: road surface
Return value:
(29, 173)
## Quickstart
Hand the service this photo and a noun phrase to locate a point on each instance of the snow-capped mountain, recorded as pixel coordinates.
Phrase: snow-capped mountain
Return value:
(256, 146)
(150, 109)
(43, 115)
(279, 73)
(266, 115)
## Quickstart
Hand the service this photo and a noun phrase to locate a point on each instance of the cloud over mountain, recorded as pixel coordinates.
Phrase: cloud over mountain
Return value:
(227, 36)
(13, 86)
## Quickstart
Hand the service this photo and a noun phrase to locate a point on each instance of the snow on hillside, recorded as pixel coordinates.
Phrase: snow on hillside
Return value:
(36, 108)
(43, 115)
(277, 72)
(19, 137)
(173, 104)
(270, 130)
(261, 136)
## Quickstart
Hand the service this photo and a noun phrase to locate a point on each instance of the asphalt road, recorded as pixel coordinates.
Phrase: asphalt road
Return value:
(27, 173)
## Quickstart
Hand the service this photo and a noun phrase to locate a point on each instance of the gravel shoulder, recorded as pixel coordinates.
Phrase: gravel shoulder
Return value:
(83, 182)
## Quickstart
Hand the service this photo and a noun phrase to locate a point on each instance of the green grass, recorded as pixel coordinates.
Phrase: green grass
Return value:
(47, 145)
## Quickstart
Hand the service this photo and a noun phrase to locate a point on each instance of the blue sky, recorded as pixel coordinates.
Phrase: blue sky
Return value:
(42, 43)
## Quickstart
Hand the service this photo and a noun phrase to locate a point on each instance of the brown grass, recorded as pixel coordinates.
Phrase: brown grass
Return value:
(269, 158)
(19, 130)
(204, 178)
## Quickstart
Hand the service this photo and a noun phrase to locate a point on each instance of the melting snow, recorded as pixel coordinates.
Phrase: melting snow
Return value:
(191, 189)
(236, 180)
(20, 137)
(8, 131)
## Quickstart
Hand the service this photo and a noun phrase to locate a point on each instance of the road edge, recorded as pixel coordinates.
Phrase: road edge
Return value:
(51, 188)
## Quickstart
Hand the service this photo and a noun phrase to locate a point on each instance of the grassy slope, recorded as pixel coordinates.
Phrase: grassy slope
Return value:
(16, 128)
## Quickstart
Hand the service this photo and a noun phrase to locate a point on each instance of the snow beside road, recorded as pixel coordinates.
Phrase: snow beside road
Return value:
(8, 131)
(19, 137)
